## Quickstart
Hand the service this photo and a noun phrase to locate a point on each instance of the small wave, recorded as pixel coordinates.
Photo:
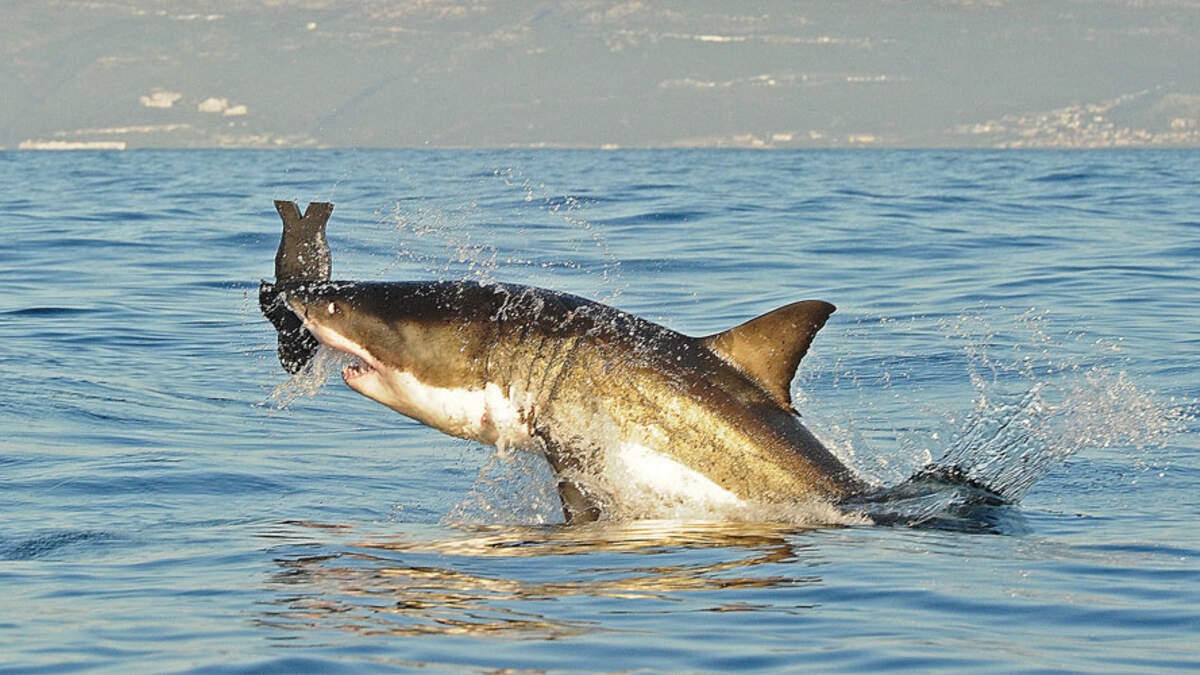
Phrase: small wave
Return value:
(249, 239)
(654, 187)
(43, 545)
(49, 311)
(94, 243)
(655, 217)
(1064, 177)
(852, 192)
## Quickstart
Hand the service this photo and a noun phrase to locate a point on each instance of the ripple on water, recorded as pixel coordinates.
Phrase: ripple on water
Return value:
(51, 544)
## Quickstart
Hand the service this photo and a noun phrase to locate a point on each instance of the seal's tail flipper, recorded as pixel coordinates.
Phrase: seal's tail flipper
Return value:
(303, 255)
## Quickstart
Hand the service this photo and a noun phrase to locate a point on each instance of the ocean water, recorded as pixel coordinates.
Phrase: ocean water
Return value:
(172, 501)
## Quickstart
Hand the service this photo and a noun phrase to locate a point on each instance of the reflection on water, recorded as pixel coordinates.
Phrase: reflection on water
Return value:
(415, 587)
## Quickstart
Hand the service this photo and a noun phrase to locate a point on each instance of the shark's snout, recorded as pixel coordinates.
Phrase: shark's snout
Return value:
(305, 300)
(293, 302)
(314, 309)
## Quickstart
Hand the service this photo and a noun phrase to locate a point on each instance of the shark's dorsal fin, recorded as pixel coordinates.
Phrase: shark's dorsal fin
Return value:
(769, 347)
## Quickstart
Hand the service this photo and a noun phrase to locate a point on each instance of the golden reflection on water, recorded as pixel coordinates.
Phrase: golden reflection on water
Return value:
(474, 583)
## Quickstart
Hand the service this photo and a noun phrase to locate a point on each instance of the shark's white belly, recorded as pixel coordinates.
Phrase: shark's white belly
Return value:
(650, 476)
(636, 472)
(487, 415)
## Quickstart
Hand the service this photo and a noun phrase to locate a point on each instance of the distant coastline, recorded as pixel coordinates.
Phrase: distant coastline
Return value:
(122, 146)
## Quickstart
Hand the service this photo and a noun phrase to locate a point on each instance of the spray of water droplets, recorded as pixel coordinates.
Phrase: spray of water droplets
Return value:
(512, 487)
(311, 378)
(1032, 395)
(453, 243)
(1040, 399)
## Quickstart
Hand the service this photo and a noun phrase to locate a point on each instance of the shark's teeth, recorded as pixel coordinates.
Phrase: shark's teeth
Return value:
(356, 370)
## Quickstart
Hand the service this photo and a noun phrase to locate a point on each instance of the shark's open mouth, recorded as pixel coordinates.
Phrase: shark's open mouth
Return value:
(356, 370)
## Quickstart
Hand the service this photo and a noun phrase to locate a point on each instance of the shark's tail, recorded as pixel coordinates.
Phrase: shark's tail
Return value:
(938, 496)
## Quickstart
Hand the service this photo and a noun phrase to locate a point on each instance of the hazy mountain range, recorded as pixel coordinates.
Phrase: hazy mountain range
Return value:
(584, 73)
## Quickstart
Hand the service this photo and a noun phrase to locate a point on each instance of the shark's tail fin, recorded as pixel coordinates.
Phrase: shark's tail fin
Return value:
(944, 497)
(303, 255)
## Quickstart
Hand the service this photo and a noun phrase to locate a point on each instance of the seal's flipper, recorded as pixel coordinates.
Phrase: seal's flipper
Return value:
(296, 345)
(303, 255)
(303, 252)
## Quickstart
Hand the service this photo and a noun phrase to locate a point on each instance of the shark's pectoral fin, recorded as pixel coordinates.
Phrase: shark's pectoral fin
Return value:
(577, 507)
(768, 348)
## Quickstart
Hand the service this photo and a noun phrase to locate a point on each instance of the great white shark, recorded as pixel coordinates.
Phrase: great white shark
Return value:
(589, 386)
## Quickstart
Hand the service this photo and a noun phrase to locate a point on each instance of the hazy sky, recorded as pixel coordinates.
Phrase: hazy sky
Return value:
(497, 73)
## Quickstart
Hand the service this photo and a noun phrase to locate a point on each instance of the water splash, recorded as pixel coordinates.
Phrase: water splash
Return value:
(459, 256)
(1038, 394)
(518, 488)
(568, 210)
(1008, 442)
(962, 416)
(311, 379)
(513, 487)
(455, 243)
(1040, 399)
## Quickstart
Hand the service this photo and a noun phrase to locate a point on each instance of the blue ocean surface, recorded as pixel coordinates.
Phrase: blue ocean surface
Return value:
(173, 501)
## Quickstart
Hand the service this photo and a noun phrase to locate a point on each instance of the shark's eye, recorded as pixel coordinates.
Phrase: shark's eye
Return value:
(332, 308)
